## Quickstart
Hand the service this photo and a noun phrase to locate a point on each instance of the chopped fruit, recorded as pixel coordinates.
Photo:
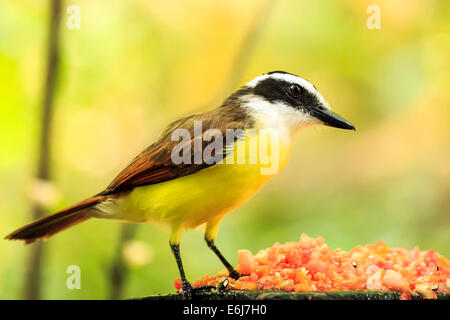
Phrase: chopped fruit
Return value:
(178, 285)
(310, 265)
(394, 281)
(246, 262)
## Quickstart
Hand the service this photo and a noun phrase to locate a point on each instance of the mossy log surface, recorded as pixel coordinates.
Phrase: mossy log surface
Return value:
(283, 295)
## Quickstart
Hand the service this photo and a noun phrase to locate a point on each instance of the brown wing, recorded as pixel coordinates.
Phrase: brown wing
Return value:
(155, 164)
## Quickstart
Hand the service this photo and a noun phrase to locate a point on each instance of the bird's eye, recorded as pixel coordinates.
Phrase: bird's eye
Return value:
(295, 90)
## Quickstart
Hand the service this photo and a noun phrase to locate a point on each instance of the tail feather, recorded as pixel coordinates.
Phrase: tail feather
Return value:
(54, 223)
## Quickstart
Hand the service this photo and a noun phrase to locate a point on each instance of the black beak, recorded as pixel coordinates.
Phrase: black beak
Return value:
(331, 119)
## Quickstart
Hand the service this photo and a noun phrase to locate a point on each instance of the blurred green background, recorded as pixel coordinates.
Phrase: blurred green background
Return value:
(134, 66)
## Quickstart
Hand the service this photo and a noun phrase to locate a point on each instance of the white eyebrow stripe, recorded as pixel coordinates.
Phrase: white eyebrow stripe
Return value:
(283, 76)
(291, 79)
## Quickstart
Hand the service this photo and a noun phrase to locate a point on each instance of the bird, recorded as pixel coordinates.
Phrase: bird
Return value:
(204, 165)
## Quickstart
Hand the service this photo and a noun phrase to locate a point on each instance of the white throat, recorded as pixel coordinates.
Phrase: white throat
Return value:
(276, 115)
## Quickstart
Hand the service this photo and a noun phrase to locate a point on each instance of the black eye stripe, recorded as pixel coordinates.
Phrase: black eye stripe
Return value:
(278, 90)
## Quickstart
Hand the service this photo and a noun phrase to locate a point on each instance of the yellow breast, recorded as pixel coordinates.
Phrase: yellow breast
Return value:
(212, 192)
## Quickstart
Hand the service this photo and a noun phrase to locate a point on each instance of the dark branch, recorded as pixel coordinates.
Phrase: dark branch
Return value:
(283, 295)
(32, 289)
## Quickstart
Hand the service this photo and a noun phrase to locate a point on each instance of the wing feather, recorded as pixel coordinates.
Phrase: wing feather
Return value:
(155, 164)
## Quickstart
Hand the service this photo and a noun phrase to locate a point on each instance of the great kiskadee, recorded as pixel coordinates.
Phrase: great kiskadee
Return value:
(156, 186)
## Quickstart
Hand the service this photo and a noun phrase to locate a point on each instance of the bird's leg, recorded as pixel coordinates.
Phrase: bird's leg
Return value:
(233, 273)
(212, 228)
(188, 290)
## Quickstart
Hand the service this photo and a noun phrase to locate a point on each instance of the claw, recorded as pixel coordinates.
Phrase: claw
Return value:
(236, 275)
(189, 291)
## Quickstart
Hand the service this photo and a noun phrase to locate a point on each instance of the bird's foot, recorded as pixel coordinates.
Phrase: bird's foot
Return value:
(189, 291)
(236, 275)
